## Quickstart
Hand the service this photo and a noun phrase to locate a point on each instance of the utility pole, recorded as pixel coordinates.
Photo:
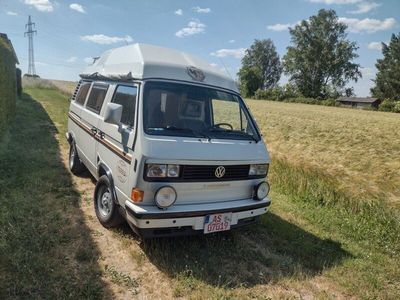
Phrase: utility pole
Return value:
(29, 33)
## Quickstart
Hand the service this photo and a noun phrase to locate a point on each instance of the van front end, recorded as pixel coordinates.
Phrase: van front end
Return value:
(198, 198)
(203, 165)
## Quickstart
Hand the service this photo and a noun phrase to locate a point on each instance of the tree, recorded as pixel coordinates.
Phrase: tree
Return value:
(320, 58)
(261, 61)
(387, 82)
(250, 80)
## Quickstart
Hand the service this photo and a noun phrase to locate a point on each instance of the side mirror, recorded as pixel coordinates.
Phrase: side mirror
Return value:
(113, 114)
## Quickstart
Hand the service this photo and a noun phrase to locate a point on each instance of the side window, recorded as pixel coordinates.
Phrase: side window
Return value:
(126, 96)
(96, 97)
(82, 93)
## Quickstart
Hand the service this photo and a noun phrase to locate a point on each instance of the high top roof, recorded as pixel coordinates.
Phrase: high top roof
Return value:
(142, 61)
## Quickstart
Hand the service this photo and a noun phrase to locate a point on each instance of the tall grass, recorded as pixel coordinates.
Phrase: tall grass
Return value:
(345, 156)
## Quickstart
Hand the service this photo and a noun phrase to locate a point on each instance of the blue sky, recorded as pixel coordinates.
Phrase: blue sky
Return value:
(71, 32)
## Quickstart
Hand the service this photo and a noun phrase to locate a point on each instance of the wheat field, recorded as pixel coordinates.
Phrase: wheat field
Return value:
(359, 150)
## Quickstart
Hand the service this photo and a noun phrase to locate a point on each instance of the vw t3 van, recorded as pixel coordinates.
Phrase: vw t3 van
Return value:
(171, 143)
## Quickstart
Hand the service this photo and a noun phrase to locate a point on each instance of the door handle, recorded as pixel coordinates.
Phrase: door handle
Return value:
(94, 130)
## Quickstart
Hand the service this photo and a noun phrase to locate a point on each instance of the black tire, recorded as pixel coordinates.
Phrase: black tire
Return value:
(107, 211)
(75, 164)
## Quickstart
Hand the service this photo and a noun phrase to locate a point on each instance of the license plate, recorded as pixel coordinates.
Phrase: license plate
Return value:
(217, 222)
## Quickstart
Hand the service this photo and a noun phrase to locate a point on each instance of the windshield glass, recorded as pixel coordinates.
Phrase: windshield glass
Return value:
(185, 110)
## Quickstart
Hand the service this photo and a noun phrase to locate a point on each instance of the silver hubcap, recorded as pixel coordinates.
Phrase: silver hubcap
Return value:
(105, 203)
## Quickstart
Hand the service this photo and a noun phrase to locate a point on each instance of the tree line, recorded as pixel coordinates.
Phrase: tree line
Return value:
(319, 63)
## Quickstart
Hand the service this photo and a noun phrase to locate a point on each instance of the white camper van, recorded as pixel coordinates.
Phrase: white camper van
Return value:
(172, 145)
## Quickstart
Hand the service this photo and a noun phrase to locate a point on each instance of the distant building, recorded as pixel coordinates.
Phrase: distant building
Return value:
(359, 102)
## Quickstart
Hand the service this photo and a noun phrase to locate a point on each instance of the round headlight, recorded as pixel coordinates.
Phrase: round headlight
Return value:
(165, 196)
(261, 190)
(173, 171)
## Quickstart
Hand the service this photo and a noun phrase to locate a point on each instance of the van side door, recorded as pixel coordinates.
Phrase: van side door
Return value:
(115, 145)
(90, 118)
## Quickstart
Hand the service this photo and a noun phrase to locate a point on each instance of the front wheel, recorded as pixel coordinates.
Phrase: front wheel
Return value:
(104, 204)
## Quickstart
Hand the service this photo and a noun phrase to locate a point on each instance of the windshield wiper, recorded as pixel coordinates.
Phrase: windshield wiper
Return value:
(196, 133)
(218, 129)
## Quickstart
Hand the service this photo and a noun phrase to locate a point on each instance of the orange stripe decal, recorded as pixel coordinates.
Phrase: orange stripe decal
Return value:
(111, 146)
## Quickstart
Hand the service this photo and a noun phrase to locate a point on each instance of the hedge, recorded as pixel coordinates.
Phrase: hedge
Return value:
(8, 85)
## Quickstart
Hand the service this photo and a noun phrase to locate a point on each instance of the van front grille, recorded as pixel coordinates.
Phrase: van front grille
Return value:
(199, 173)
(207, 173)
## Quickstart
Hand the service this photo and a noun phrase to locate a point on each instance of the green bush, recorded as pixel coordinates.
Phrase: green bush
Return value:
(396, 108)
(8, 85)
(387, 105)
(288, 93)
(275, 94)
(278, 93)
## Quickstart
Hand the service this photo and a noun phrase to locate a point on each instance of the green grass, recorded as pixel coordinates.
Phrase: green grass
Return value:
(307, 246)
(41, 226)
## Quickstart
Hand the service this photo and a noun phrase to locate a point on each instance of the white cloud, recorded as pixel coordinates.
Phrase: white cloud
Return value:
(88, 60)
(106, 40)
(213, 65)
(367, 72)
(335, 1)
(41, 5)
(39, 63)
(368, 25)
(72, 59)
(193, 27)
(375, 46)
(281, 27)
(237, 53)
(77, 7)
(11, 13)
(232, 41)
(179, 12)
(365, 7)
(202, 10)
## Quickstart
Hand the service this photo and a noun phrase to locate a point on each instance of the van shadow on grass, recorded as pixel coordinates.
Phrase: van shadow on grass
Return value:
(265, 253)
(46, 250)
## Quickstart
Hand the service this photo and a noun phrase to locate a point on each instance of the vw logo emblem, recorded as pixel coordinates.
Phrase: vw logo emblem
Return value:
(220, 172)
(195, 73)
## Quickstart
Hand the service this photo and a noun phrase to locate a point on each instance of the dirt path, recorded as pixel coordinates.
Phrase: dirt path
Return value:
(122, 257)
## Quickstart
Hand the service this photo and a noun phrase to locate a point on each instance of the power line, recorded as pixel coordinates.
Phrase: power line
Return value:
(30, 33)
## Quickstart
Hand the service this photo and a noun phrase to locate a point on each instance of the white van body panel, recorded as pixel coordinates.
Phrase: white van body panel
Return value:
(199, 149)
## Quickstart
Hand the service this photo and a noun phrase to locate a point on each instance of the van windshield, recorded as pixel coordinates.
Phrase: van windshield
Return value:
(174, 109)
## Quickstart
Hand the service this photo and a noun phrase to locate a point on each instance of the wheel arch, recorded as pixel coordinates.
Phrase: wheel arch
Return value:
(70, 137)
(103, 169)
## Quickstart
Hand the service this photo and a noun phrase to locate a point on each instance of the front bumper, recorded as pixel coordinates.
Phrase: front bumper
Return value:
(149, 221)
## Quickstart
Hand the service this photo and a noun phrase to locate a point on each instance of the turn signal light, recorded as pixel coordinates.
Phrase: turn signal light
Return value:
(137, 195)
